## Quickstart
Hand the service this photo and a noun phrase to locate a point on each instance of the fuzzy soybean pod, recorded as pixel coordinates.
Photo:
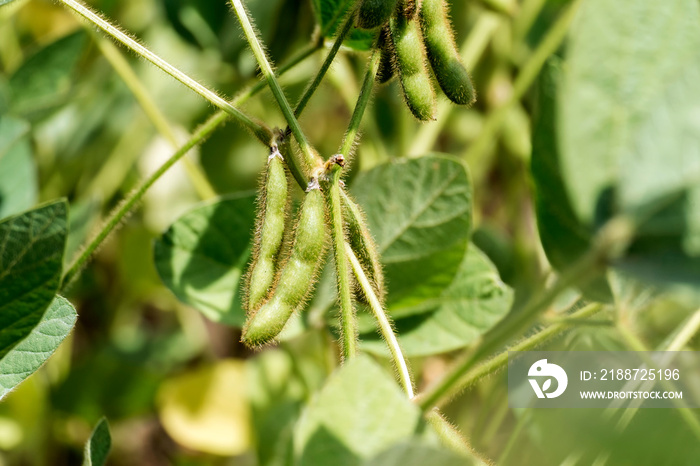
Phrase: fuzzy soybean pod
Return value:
(411, 65)
(363, 245)
(447, 65)
(386, 60)
(297, 277)
(374, 13)
(273, 204)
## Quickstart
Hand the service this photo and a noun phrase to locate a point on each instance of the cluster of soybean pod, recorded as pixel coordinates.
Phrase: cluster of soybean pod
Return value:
(286, 258)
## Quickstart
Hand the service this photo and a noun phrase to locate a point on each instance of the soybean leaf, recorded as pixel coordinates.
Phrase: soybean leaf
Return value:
(25, 358)
(629, 128)
(18, 184)
(358, 413)
(44, 80)
(476, 300)
(417, 454)
(419, 212)
(202, 256)
(31, 259)
(98, 445)
(5, 2)
(331, 13)
(564, 238)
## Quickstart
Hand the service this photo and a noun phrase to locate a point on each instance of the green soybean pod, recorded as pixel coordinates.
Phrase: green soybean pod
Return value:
(411, 65)
(363, 245)
(297, 277)
(386, 60)
(273, 205)
(374, 13)
(447, 65)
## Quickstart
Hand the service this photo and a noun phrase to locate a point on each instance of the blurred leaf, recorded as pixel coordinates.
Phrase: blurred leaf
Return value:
(25, 358)
(630, 121)
(419, 211)
(416, 454)
(564, 238)
(207, 409)
(476, 300)
(31, 260)
(45, 79)
(330, 15)
(18, 179)
(358, 413)
(98, 445)
(5, 2)
(202, 256)
(83, 216)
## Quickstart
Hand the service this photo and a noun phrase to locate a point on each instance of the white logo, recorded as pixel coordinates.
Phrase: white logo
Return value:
(543, 369)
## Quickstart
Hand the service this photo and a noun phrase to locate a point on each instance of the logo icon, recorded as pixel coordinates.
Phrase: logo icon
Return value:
(542, 368)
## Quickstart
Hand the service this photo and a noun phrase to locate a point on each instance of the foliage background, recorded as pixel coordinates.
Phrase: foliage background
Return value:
(180, 389)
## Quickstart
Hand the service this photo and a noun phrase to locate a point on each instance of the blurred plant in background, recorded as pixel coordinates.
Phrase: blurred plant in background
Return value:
(156, 348)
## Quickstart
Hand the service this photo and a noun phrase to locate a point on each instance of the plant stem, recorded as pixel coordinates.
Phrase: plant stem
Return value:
(452, 438)
(311, 88)
(554, 38)
(361, 105)
(336, 16)
(385, 327)
(260, 130)
(311, 159)
(348, 319)
(124, 70)
(495, 338)
(125, 207)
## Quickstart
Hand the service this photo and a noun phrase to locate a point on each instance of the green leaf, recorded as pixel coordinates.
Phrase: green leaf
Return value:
(417, 454)
(330, 15)
(476, 300)
(5, 2)
(202, 256)
(45, 79)
(564, 238)
(31, 258)
(419, 211)
(98, 445)
(629, 107)
(25, 358)
(359, 413)
(18, 184)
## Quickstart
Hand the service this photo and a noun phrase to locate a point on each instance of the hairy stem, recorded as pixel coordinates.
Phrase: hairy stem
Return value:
(311, 159)
(452, 438)
(311, 88)
(551, 42)
(385, 327)
(348, 319)
(149, 107)
(260, 130)
(361, 105)
(125, 207)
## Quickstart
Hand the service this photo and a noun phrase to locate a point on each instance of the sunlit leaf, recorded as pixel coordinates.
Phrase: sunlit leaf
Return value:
(31, 260)
(419, 211)
(202, 256)
(25, 358)
(476, 300)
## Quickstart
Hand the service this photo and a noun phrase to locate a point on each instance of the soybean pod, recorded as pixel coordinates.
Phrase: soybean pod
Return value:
(273, 205)
(374, 13)
(297, 277)
(411, 64)
(386, 60)
(363, 245)
(442, 51)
